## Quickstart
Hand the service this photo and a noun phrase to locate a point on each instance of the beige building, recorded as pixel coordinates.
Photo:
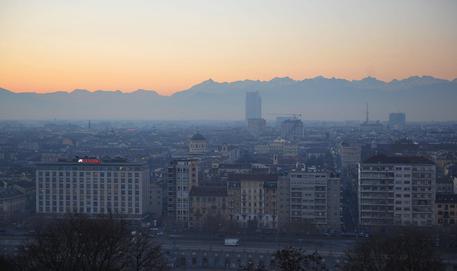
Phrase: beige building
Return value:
(93, 187)
(253, 200)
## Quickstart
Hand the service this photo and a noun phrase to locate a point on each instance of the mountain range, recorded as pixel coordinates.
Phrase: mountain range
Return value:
(422, 98)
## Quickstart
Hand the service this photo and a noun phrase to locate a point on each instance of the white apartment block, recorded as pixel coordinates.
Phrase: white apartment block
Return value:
(93, 187)
(396, 191)
(315, 198)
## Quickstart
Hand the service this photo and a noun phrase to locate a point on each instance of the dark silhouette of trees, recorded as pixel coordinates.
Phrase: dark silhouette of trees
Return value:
(81, 243)
(402, 250)
(294, 259)
(291, 259)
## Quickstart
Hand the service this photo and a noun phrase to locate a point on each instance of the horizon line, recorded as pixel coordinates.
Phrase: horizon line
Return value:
(225, 82)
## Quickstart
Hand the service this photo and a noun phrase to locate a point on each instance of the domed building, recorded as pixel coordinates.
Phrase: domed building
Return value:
(198, 144)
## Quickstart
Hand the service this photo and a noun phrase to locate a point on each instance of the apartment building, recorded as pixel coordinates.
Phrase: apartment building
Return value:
(315, 198)
(253, 200)
(182, 175)
(396, 190)
(93, 187)
(208, 206)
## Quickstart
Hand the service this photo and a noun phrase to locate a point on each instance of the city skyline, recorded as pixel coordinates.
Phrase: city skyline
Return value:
(48, 46)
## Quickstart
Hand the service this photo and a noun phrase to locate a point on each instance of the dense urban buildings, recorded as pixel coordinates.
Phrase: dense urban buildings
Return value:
(286, 181)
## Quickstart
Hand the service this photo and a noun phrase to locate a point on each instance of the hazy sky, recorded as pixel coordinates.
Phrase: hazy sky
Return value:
(171, 45)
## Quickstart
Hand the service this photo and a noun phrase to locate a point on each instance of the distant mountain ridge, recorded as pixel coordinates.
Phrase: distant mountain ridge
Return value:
(423, 98)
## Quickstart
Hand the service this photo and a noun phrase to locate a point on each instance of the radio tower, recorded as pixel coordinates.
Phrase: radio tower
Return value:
(366, 118)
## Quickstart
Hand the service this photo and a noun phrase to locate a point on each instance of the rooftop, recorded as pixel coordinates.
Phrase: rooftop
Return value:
(253, 177)
(383, 159)
(197, 136)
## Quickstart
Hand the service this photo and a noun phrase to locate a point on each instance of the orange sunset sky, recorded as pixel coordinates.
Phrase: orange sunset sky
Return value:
(168, 46)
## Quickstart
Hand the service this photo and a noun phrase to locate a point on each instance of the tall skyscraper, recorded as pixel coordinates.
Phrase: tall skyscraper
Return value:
(253, 106)
(396, 190)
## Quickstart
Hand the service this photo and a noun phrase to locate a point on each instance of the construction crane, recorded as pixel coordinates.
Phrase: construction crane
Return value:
(294, 115)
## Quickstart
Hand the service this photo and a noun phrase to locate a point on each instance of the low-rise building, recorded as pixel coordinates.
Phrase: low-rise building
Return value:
(208, 205)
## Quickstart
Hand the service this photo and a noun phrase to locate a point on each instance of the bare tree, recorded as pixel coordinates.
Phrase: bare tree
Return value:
(294, 259)
(403, 250)
(80, 243)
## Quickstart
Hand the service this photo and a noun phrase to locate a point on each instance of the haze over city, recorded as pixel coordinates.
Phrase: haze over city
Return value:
(242, 135)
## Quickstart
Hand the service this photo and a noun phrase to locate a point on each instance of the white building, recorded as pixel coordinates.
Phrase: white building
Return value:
(315, 198)
(93, 187)
(396, 191)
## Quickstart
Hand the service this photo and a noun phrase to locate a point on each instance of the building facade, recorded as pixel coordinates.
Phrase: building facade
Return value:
(253, 200)
(396, 191)
(315, 198)
(182, 175)
(93, 187)
(208, 207)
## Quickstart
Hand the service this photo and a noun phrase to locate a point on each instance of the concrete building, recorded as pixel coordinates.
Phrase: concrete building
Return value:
(198, 144)
(396, 190)
(93, 187)
(446, 209)
(253, 106)
(182, 175)
(156, 199)
(283, 200)
(315, 198)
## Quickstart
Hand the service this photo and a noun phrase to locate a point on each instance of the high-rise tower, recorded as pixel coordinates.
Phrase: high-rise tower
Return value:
(253, 106)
